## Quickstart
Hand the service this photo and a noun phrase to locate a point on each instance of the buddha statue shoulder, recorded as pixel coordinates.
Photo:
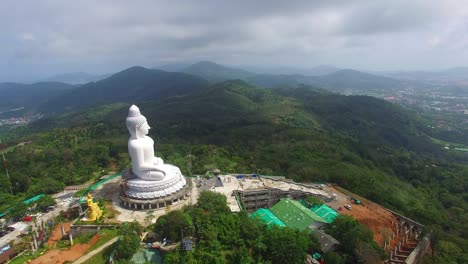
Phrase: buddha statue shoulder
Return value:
(145, 165)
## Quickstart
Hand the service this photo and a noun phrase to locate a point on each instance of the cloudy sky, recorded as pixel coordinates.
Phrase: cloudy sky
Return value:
(42, 38)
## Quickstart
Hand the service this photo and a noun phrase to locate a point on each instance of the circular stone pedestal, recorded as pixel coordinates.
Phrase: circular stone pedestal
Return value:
(140, 194)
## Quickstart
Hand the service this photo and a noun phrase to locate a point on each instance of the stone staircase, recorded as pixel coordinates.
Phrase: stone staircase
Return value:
(401, 252)
(407, 239)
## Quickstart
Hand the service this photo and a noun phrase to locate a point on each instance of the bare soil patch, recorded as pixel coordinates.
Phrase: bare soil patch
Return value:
(57, 234)
(377, 218)
(57, 256)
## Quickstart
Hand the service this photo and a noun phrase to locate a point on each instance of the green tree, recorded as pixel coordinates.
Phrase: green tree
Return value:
(149, 217)
(173, 225)
(333, 258)
(313, 200)
(129, 239)
(17, 211)
(447, 252)
(213, 202)
(172, 257)
(286, 245)
(355, 239)
(45, 201)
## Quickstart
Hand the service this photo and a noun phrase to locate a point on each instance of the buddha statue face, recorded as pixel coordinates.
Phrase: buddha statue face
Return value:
(136, 123)
(142, 130)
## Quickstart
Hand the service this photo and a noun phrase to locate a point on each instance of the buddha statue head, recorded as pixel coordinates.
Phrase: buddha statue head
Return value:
(136, 123)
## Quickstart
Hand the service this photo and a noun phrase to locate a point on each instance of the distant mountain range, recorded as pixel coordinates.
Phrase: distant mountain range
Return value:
(138, 84)
(225, 107)
(356, 82)
(250, 70)
(181, 96)
(29, 96)
(336, 80)
(76, 78)
(135, 84)
(216, 73)
(453, 75)
(309, 71)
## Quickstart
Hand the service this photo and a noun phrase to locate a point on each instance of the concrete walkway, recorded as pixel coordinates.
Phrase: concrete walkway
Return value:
(94, 252)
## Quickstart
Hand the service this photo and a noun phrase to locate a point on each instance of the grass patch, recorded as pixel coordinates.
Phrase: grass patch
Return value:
(62, 244)
(109, 213)
(83, 239)
(101, 257)
(24, 258)
(21, 259)
(105, 235)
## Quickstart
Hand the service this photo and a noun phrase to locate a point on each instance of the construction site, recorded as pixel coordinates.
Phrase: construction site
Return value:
(276, 201)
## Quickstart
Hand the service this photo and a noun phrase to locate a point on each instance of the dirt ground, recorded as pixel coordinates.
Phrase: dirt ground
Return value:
(57, 256)
(57, 234)
(377, 218)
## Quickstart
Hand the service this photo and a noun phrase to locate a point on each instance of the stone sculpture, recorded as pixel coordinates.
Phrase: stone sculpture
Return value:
(149, 176)
(94, 212)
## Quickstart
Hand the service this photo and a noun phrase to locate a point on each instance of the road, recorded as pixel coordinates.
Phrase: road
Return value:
(64, 199)
(62, 205)
(9, 237)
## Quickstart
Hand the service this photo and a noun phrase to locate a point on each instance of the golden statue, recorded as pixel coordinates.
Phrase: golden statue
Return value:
(94, 212)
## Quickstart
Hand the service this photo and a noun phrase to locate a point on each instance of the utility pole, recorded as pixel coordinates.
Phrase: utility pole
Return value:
(5, 163)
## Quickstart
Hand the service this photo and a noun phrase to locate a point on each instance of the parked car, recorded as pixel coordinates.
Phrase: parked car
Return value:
(355, 200)
(347, 206)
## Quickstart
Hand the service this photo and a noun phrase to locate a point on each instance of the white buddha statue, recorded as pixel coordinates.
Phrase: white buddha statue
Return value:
(149, 177)
(141, 148)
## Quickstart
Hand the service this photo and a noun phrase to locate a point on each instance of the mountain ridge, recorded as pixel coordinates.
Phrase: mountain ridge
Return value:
(75, 78)
(347, 81)
(30, 96)
(130, 85)
(214, 72)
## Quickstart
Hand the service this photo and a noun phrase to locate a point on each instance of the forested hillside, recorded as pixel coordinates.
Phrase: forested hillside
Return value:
(344, 81)
(214, 72)
(134, 84)
(367, 145)
(29, 96)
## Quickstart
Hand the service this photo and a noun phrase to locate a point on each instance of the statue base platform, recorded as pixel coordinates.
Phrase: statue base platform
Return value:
(140, 194)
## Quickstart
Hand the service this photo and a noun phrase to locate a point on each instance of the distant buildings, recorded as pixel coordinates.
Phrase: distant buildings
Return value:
(20, 120)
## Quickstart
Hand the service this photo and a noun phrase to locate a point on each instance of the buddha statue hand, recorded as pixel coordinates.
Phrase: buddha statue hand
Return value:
(158, 161)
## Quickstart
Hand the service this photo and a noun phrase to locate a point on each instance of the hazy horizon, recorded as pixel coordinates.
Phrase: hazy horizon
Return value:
(46, 38)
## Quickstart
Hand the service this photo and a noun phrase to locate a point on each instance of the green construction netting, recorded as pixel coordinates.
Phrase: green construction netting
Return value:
(146, 255)
(33, 199)
(325, 212)
(268, 217)
(294, 214)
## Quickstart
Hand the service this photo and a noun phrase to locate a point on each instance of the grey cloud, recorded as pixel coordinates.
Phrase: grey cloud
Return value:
(395, 16)
(108, 35)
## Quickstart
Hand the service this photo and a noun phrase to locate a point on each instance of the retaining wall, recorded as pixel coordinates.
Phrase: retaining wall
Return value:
(418, 253)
